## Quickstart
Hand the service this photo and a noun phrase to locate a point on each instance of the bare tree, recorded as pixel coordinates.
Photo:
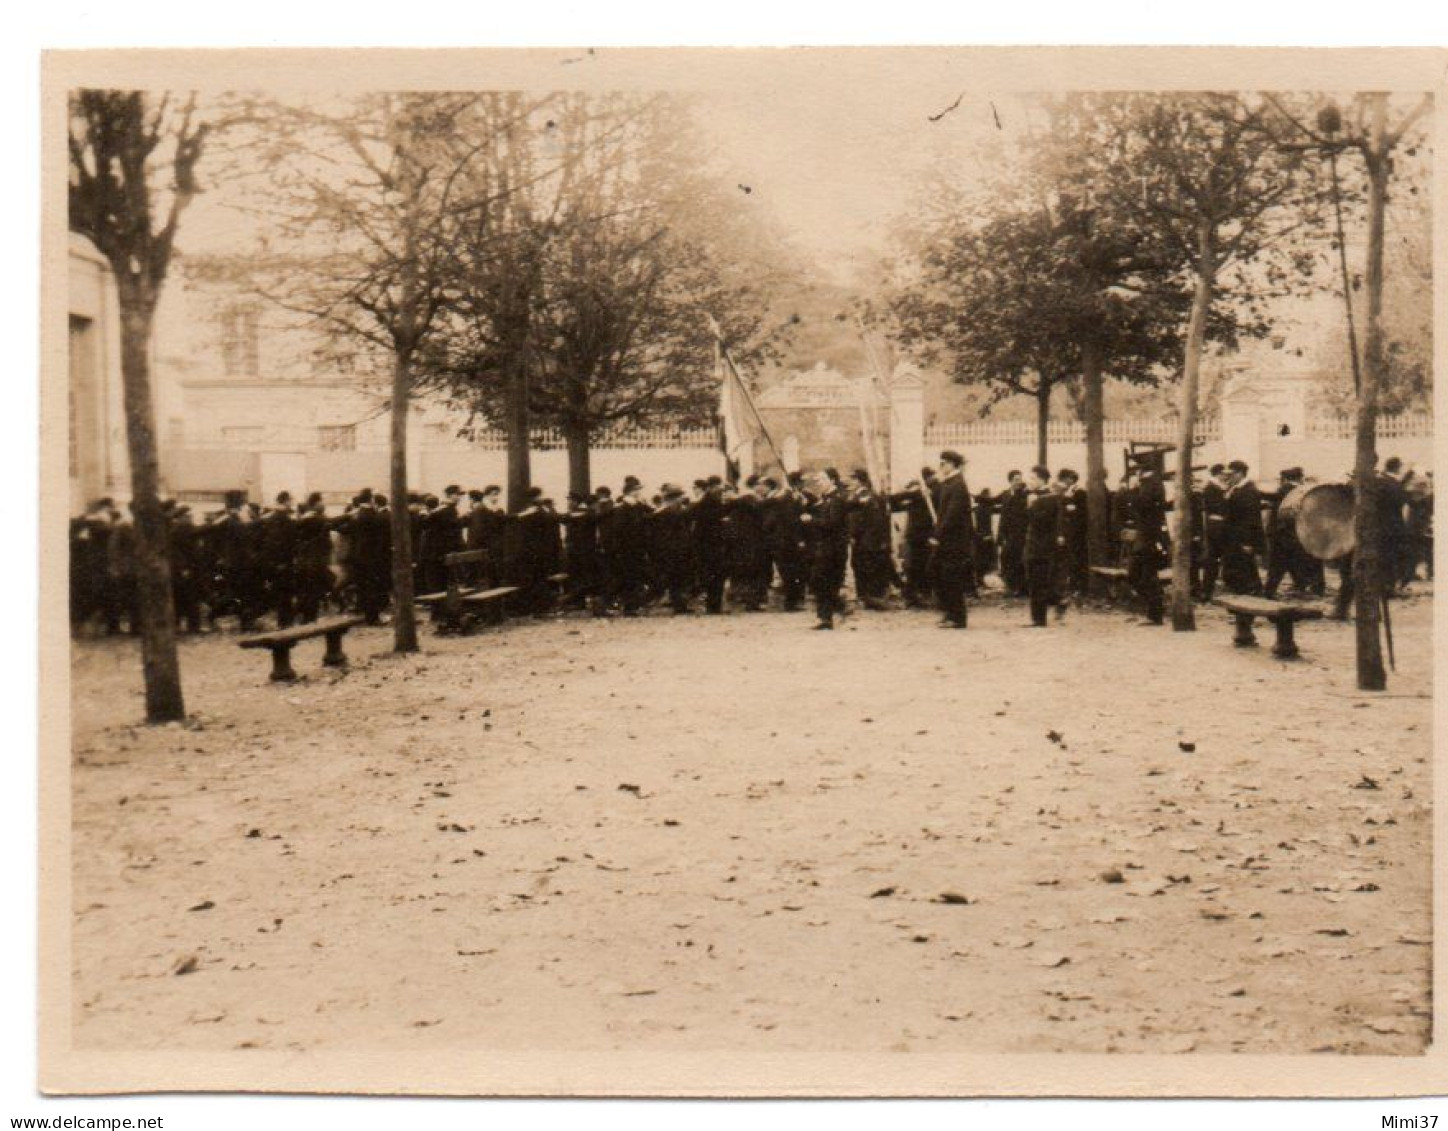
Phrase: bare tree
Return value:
(364, 196)
(133, 159)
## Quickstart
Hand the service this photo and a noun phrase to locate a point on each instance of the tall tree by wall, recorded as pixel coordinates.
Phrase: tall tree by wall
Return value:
(133, 163)
(1198, 170)
(1366, 132)
(363, 194)
(607, 267)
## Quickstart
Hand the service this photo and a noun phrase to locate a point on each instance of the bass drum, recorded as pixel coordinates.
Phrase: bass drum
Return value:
(1322, 513)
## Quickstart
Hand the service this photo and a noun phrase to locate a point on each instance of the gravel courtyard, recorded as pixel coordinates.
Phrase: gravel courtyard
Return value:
(734, 833)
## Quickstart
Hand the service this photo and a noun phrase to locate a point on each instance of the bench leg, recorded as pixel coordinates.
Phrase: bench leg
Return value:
(335, 657)
(1244, 637)
(1286, 646)
(282, 664)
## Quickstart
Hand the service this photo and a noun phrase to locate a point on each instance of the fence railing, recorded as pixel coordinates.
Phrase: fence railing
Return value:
(1391, 426)
(546, 439)
(1013, 432)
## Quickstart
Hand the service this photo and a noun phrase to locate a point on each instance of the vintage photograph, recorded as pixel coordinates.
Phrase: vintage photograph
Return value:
(772, 553)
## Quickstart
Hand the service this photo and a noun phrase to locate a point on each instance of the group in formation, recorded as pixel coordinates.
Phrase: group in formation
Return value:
(716, 547)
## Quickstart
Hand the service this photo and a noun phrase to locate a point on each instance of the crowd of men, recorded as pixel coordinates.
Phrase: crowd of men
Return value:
(719, 545)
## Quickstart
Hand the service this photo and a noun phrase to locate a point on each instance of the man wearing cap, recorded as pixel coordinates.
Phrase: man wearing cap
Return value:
(869, 542)
(674, 557)
(313, 558)
(829, 529)
(784, 540)
(1143, 528)
(1011, 534)
(1243, 535)
(1045, 546)
(953, 540)
(631, 546)
(707, 530)
(1285, 554)
(919, 526)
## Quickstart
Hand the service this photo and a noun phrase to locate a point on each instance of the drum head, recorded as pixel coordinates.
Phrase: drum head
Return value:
(1324, 520)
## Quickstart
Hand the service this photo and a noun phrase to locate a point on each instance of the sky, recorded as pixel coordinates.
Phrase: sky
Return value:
(837, 166)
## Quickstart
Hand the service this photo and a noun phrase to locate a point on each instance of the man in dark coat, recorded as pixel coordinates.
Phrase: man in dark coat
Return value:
(580, 550)
(370, 535)
(829, 527)
(186, 562)
(313, 559)
(919, 527)
(870, 542)
(1077, 573)
(277, 547)
(1214, 528)
(1011, 534)
(674, 556)
(630, 532)
(1044, 548)
(953, 540)
(1242, 532)
(710, 545)
(485, 522)
(1285, 555)
(744, 538)
(784, 539)
(1144, 508)
(539, 552)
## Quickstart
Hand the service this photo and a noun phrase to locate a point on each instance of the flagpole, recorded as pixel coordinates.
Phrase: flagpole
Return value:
(723, 350)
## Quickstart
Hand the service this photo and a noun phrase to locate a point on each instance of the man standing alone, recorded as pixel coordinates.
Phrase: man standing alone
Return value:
(953, 540)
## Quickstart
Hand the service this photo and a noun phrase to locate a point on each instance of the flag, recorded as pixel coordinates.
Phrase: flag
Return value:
(739, 424)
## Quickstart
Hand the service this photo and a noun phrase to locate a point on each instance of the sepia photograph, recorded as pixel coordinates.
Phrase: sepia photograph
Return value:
(739, 572)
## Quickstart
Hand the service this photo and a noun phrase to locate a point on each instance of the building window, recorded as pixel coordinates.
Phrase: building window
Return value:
(243, 435)
(337, 438)
(240, 340)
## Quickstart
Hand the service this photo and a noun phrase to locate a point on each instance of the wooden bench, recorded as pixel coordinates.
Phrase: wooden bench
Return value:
(1118, 579)
(1283, 615)
(491, 602)
(284, 640)
(447, 606)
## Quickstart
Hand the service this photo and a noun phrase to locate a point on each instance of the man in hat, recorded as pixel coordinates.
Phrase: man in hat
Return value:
(1011, 534)
(1143, 528)
(276, 562)
(674, 549)
(1243, 536)
(1214, 525)
(919, 527)
(185, 546)
(828, 522)
(784, 539)
(870, 542)
(953, 540)
(707, 530)
(370, 538)
(1045, 547)
(313, 558)
(580, 550)
(1076, 557)
(631, 546)
(1285, 554)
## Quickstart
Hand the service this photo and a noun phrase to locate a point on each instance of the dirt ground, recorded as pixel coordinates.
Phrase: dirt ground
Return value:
(730, 833)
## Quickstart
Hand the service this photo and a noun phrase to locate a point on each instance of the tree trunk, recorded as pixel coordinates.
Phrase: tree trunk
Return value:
(580, 473)
(1098, 520)
(1043, 419)
(159, 664)
(516, 420)
(1369, 581)
(404, 612)
(1183, 614)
